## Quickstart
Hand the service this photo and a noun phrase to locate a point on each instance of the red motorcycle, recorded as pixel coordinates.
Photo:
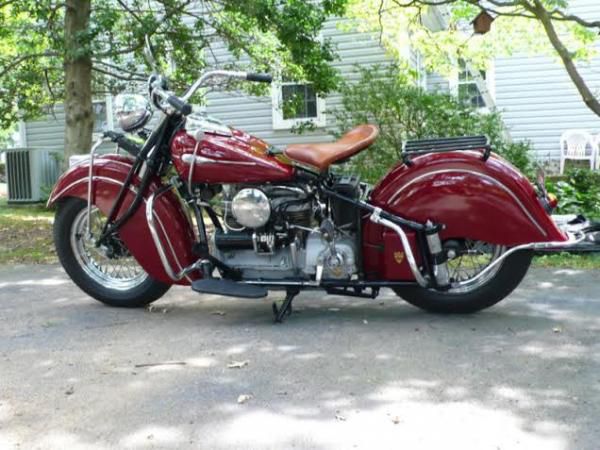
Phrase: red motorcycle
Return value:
(452, 228)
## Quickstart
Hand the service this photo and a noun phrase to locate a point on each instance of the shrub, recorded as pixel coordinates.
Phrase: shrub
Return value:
(2, 173)
(386, 96)
(578, 192)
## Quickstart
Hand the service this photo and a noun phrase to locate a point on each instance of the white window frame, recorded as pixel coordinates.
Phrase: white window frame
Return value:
(490, 81)
(279, 123)
(110, 123)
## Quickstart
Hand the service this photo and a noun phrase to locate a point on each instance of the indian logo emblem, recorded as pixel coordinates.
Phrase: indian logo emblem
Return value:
(399, 257)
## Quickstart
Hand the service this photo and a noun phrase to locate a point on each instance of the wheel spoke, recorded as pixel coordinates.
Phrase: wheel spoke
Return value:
(121, 271)
(472, 257)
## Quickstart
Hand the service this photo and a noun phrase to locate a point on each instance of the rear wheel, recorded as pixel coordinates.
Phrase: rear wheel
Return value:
(107, 273)
(472, 293)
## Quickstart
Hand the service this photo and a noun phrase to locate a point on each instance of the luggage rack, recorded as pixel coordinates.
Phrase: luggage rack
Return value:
(442, 145)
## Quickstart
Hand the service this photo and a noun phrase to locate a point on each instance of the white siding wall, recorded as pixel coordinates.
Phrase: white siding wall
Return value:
(254, 115)
(49, 131)
(538, 99)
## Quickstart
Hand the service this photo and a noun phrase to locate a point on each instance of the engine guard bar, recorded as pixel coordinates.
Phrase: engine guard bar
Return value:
(574, 239)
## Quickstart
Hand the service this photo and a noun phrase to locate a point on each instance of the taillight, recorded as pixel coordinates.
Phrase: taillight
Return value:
(552, 200)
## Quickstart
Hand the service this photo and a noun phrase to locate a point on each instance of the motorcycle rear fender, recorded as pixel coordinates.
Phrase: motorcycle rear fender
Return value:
(489, 201)
(174, 228)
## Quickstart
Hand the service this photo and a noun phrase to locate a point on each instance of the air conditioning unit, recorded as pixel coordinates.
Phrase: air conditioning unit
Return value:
(31, 173)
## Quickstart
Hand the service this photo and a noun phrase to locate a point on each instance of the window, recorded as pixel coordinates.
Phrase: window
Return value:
(468, 90)
(296, 103)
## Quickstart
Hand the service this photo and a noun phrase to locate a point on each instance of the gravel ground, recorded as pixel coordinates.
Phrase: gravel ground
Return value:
(340, 373)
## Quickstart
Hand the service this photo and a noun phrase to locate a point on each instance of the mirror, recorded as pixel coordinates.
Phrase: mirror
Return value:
(132, 110)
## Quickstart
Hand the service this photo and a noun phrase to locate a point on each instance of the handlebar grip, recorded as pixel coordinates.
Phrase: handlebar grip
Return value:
(260, 77)
(129, 146)
(181, 106)
(122, 141)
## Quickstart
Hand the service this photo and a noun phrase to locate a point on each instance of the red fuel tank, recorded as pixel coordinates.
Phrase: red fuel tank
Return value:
(219, 154)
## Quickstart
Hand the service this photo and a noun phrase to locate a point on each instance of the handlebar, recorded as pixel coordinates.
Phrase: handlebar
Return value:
(181, 103)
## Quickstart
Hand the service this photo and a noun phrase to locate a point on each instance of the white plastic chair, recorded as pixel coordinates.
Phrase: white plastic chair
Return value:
(578, 145)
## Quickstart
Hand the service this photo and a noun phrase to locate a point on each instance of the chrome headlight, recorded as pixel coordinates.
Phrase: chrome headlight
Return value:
(132, 111)
(251, 208)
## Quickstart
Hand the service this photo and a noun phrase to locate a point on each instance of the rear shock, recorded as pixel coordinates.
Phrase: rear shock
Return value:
(438, 256)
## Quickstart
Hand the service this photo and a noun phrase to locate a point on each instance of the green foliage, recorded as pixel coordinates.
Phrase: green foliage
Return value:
(2, 173)
(388, 97)
(578, 192)
(280, 37)
(401, 24)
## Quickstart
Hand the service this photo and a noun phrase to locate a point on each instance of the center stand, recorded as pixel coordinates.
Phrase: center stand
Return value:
(286, 306)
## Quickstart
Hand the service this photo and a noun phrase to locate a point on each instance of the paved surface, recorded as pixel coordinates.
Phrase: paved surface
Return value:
(341, 373)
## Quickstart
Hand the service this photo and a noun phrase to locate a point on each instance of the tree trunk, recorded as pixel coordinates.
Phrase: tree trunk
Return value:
(79, 117)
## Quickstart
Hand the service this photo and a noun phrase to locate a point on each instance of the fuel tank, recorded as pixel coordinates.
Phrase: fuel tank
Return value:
(215, 153)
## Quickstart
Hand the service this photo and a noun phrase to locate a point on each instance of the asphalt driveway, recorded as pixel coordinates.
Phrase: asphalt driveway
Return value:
(341, 373)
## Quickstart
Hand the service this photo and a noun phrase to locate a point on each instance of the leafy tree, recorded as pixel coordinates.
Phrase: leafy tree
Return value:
(54, 51)
(388, 97)
(520, 25)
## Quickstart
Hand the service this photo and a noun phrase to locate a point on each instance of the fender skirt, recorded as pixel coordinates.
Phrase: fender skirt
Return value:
(489, 201)
(174, 227)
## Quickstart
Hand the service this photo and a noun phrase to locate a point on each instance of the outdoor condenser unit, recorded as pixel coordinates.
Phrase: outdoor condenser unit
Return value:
(31, 173)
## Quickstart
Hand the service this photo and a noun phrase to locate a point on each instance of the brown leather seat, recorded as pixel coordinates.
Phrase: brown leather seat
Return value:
(321, 156)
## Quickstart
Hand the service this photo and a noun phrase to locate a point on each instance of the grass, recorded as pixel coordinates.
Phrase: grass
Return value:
(26, 238)
(568, 261)
(26, 234)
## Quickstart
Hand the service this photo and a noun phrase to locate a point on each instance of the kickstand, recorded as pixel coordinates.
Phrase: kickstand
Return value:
(286, 306)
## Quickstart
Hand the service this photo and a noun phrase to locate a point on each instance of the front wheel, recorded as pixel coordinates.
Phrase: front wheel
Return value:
(107, 273)
(471, 293)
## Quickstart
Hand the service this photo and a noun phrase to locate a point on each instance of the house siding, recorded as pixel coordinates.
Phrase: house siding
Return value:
(254, 115)
(48, 132)
(539, 101)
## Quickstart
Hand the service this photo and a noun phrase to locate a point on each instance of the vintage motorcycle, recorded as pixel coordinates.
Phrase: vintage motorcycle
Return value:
(452, 228)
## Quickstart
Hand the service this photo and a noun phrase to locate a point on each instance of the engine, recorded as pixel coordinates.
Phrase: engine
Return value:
(276, 232)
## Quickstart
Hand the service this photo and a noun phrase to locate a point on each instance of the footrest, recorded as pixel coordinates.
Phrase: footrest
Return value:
(229, 288)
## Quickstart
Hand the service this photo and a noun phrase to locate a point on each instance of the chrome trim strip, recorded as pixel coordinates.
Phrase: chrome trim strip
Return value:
(85, 180)
(197, 160)
(479, 174)
(410, 257)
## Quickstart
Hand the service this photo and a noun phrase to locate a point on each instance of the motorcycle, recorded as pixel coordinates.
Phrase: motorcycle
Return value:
(452, 228)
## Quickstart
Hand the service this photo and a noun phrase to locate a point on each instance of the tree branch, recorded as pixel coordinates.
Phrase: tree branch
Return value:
(546, 20)
(24, 58)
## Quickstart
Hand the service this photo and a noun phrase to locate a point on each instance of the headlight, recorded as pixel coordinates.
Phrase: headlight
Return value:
(251, 208)
(132, 111)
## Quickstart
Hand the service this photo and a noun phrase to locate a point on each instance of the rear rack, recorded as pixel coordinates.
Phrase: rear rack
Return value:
(457, 144)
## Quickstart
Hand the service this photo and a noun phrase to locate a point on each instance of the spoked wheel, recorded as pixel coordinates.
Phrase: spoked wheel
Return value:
(472, 289)
(107, 273)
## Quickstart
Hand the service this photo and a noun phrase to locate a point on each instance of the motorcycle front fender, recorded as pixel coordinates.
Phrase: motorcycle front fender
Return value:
(172, 224)
(488, 201)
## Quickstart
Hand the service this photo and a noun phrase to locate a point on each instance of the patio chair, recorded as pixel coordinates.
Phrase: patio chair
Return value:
(578, 145)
